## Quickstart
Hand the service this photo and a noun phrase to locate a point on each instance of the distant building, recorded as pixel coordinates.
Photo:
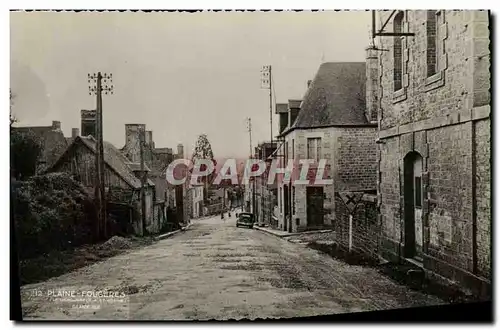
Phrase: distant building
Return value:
(88, 121)
(265, 194)
(52, 141)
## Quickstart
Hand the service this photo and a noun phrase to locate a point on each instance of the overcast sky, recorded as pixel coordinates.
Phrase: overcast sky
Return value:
(181, 74)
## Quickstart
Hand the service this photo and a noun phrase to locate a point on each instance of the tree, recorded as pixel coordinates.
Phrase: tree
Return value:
(24, 152)
(13, 119)
(203, 150)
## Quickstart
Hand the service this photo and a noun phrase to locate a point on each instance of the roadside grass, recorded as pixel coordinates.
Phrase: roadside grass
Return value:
(57, 263)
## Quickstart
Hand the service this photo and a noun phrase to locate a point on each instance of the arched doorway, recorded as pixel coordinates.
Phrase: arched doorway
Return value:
(413, 198)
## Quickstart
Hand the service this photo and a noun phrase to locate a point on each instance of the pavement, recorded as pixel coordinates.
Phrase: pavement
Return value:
(281, 233)
(214, 270)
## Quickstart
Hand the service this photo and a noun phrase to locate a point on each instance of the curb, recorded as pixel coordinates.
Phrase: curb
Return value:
(284, 235)
(172, 233)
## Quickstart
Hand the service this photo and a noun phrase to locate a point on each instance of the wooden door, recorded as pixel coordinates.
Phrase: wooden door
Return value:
(314, 196)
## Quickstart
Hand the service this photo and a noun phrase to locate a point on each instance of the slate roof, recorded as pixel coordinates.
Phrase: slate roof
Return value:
(117, 161)
(336, 97)
(113, 158)
(53, 142)
(136, 166)
(163, 150)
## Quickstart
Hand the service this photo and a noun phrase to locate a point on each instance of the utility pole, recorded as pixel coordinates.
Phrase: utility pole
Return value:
(266, 82)
(249, 127)
(144, 178)
(249, 120)
(271, 102)
(100, 188)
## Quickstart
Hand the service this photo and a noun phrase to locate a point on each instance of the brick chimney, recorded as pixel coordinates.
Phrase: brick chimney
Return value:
(56, 125)
(294, 108)
(75, 132)
(180, 150)
(149, 139)
(372, 84)
(88, 122)
(132, 141)
(282, 111)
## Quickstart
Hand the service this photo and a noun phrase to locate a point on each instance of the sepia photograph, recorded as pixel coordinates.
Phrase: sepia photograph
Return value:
(249, 165)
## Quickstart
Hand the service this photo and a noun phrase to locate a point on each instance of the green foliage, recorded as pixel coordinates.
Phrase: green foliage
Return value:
(25, 149)
(51, 211)
(13, 119)
(203, 149)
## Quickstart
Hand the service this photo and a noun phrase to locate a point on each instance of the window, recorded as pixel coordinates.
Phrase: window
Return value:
(432, 32)
(293, 149)
(293, 200)
(398, 52)
(418, 191)
(314, 149)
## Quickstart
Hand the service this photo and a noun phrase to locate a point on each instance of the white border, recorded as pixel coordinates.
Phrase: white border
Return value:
(200, 4)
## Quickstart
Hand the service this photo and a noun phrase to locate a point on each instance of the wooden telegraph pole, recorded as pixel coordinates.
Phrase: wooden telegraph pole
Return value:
(95, 87)
(271, 102)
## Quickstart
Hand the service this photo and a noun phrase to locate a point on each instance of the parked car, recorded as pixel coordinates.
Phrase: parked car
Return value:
(245, 219)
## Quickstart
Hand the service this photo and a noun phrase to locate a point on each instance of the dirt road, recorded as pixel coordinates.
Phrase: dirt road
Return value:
(216, 271)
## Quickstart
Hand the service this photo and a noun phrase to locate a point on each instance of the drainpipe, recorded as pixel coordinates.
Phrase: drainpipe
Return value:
(350, 232)
(474, 201)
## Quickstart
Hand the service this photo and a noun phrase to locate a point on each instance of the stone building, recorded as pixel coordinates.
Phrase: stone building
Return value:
(52, 141)
(156, 159)
(333, 123)
(121, 181)
(434, 143)
(265, 194)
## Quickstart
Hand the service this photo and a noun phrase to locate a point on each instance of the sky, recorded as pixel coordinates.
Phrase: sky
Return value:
(181, 74)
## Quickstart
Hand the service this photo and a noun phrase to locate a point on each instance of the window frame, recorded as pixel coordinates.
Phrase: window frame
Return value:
(397, 52)
(316, 148)
(437, 79)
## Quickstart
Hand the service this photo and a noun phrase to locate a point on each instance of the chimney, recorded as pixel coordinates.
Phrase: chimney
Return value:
(180, 150)
(56, 125)
(294, 106)
(372, 84)
(88, 121)
(149, 139)
(282, 111)
(309, 83)
(75, 132)
(132, 140)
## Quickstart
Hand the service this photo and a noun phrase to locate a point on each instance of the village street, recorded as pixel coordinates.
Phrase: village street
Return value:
(217, 271)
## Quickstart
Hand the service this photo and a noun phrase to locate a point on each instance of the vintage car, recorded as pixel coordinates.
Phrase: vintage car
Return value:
(245, 219)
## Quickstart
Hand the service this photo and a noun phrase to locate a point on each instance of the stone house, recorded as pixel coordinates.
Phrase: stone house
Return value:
(156, 159)
(122, 183)
(52, 141)
(434, 182)
(332, 122)
(265, 194)
(197, 204)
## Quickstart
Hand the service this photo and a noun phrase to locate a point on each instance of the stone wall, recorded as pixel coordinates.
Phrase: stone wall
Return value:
(446, 119)
(365, 227)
